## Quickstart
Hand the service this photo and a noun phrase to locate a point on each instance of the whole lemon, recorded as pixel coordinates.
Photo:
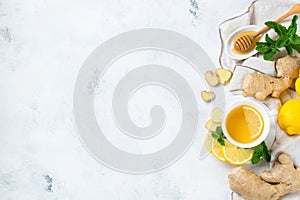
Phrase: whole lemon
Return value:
(289, 117)
(297, 86)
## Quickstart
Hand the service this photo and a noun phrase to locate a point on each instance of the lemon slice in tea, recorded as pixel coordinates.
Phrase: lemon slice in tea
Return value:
(254, 121)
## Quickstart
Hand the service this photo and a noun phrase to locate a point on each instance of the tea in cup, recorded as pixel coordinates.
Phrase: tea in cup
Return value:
(246, 124)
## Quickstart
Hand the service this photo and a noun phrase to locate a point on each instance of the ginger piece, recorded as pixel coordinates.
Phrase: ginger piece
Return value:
(284, 175)
(261, 85)
(282, 179)
(208, 96)
(212, 126)
(288, 66)
(211, 78)
(216, 115)
(250, 186)
(285, 96)
(224, 75)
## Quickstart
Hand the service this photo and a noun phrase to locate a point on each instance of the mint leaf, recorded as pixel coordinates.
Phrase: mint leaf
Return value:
(219, 135)
(269, 40)
(261, 151)
(216, 136)
(219, 130)
(221, 141)
(281, 42)
(269, 55)
(296, 47)
(289, 49)
(265, 153)
(295, 39)
(292, 29)
(261, 47)
(279, 29)
(255, 158)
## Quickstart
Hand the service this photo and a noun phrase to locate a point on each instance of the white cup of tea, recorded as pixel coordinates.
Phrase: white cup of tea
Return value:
(241, 131)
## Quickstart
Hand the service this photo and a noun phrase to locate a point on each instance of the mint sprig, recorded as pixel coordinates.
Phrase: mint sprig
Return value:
(219, 135)
(261, 152)
(287, 37)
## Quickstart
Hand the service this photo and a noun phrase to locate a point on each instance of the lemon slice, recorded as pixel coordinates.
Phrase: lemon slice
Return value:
(254, 121)
(235, 155)
(209, 142)
(214, 147)
(217, 151)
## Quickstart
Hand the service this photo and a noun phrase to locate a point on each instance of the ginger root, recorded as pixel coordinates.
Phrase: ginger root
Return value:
(288, 95)
(282, 179)
(288, 66)
(261, 85)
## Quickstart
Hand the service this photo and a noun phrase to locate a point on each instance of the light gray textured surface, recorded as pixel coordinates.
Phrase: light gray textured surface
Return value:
(43, 44)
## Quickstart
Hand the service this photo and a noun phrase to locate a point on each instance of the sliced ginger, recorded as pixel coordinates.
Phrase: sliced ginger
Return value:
(224, 75)
(211, 78)
(208, 96)
(220, 76)
(215, 120)
(216, 115)
(211, 125)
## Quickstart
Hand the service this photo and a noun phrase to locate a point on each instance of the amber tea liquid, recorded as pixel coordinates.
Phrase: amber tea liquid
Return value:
(244, 124)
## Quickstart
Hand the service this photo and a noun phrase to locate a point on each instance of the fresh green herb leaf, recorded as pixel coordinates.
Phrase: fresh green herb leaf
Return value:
(219, 130)
(289, 49)
(287, 37)
(216, 136)
(269, 40)
(266, 156)
(281, 42)
(219, 135)
(269, 55)
(292, 29)
(221, 141)
(261, 151)
(295, 39)
(279, 29)
(255, 158)
(261, 47)
(296, 47)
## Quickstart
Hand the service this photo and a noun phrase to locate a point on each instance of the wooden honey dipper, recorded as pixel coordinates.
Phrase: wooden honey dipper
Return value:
(243, 42)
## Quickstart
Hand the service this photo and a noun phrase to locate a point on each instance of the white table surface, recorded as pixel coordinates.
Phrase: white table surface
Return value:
(43, 44)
